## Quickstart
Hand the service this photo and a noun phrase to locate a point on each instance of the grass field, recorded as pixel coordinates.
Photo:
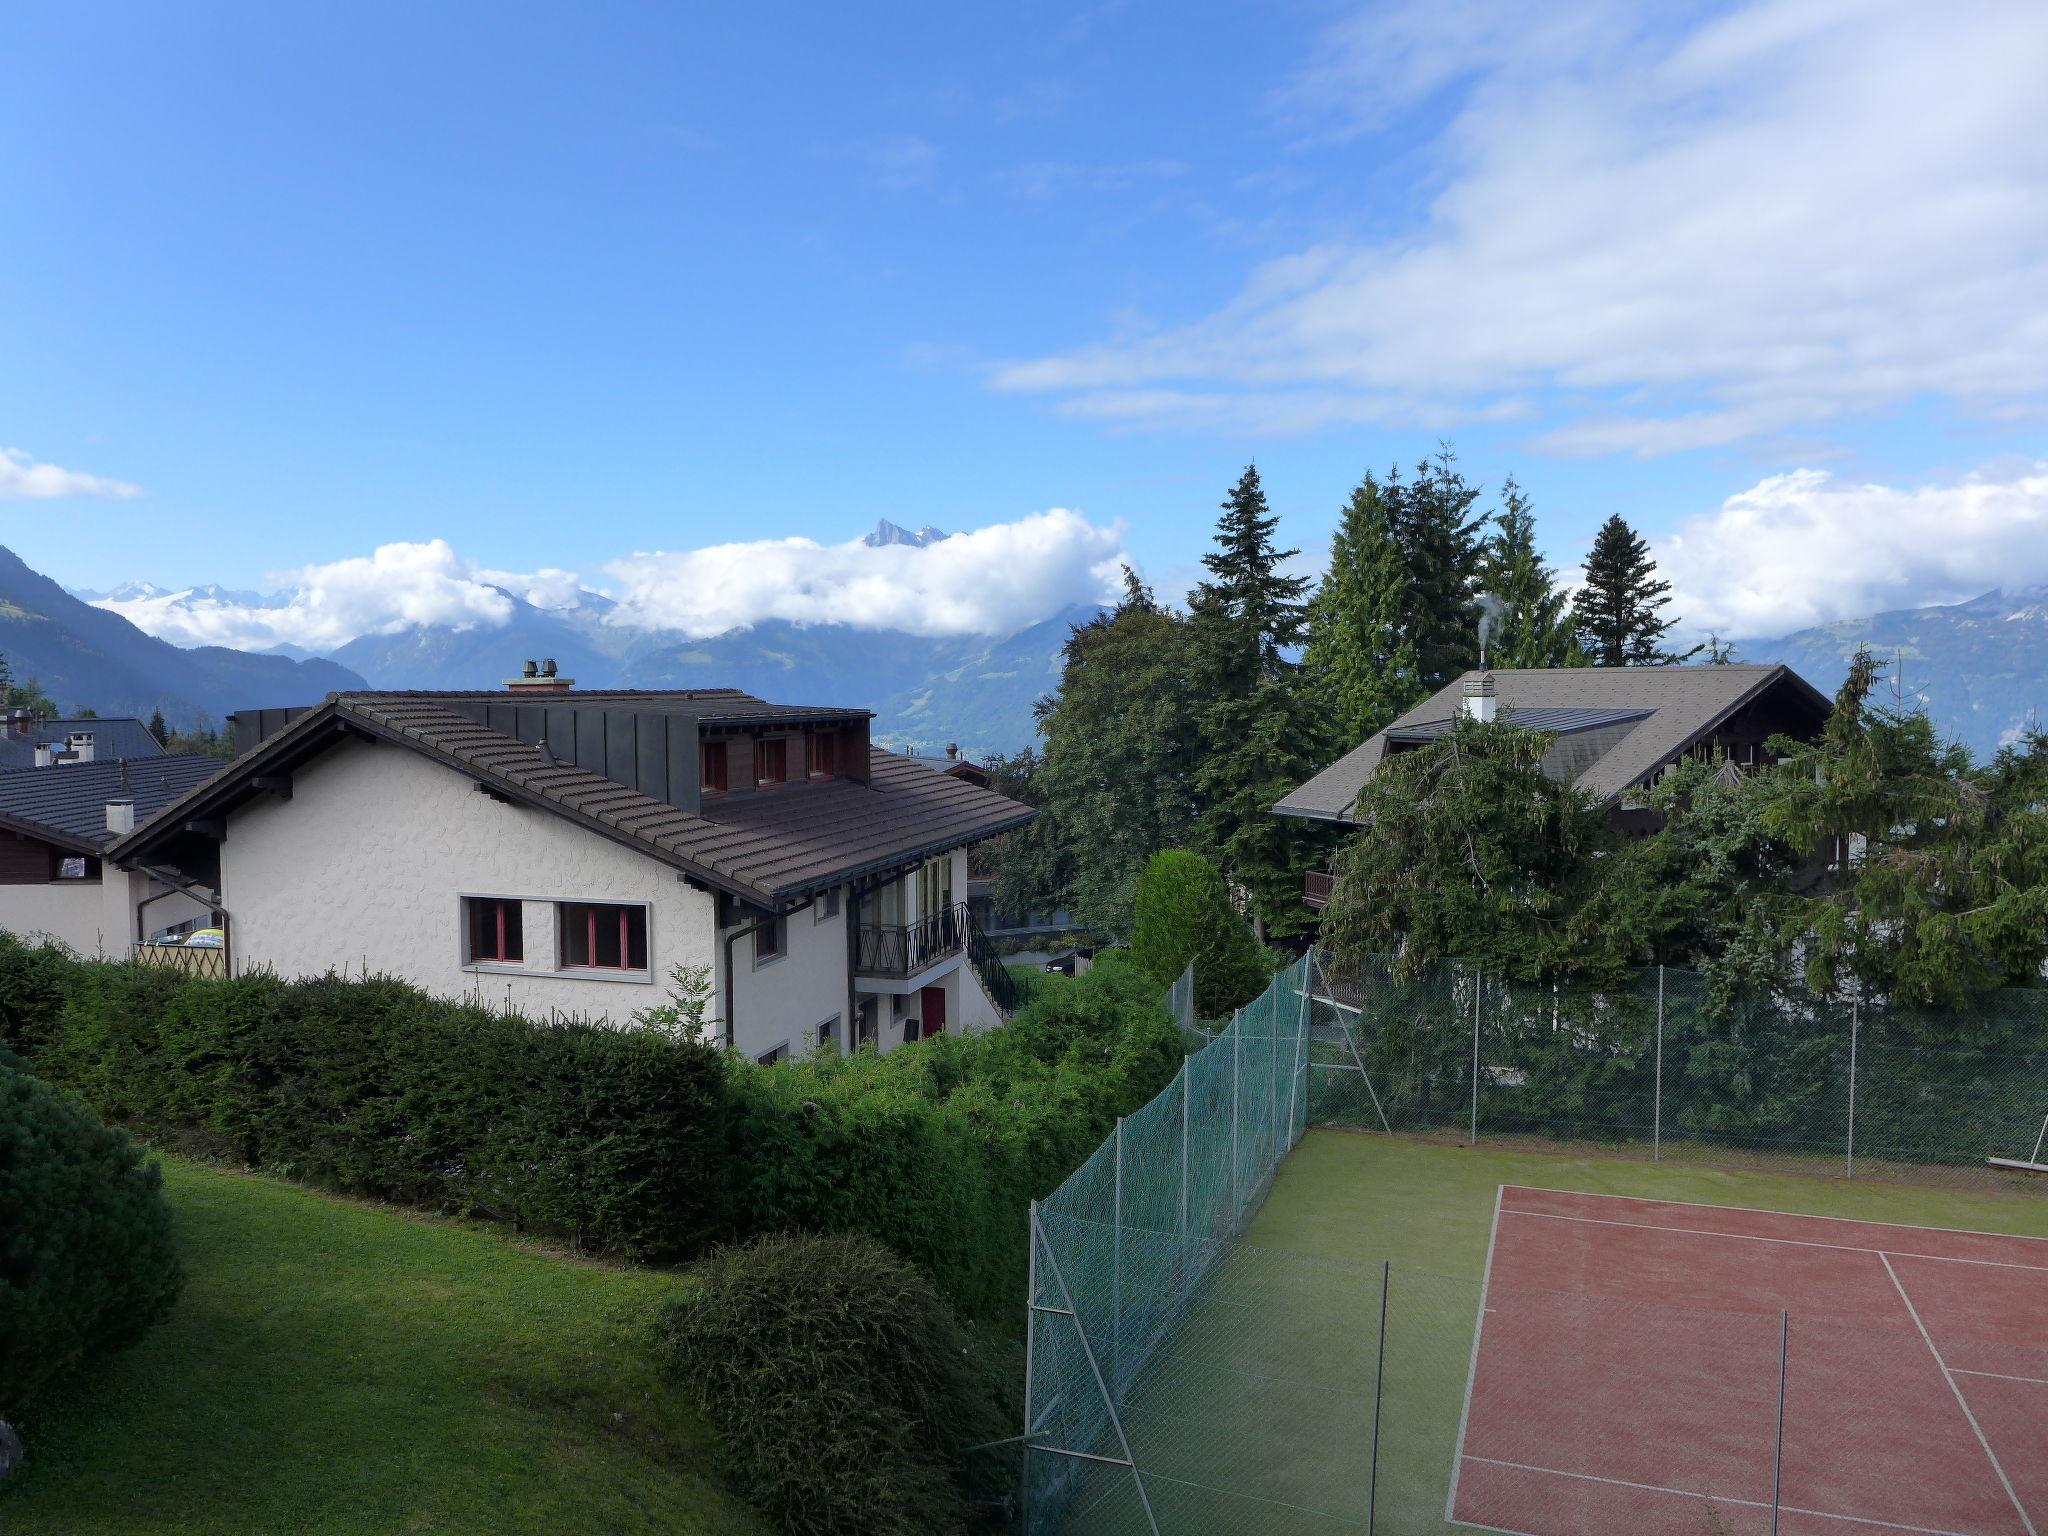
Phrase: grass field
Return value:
(340, 1367)
(1258, 1418)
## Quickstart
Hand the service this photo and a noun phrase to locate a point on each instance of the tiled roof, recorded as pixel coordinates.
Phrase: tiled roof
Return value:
(1671, 708)
(114, 736)
(771, 847)
(67, 803)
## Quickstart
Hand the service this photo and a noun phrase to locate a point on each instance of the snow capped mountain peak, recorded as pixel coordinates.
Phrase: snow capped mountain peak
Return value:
(887, 533)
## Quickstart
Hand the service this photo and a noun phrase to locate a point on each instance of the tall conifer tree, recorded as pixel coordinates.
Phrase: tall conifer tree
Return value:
(1257, 734)
(1438, 534)
(1360, 668)
(1533, 627)
(1617, 614)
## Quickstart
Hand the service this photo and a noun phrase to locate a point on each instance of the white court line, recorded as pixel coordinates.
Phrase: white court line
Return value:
(1961, 1401)
(1472, 1370)
(1789, 1242)
(1755, 1210)
(2039, 1381)
(1714, 1498)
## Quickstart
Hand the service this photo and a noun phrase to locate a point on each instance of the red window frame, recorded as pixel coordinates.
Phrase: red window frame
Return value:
(495, 930)
(592, 923)
(822, 748)
(711, 767)
(772, 764)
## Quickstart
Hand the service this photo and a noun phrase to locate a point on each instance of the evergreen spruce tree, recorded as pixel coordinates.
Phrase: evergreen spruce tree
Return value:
(1438, 536)
(1616, 614)
(1533, 625)
(1258, 738)
(157, 727)
(1359, 666)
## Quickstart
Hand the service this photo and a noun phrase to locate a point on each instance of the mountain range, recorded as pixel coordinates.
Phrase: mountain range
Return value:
(1980, 667)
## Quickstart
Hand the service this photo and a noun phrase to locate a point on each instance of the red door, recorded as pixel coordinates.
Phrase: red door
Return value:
(932, 1007)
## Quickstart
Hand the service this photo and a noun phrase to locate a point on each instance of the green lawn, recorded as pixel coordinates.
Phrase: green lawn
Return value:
(340, 1367)
(1258, 1416)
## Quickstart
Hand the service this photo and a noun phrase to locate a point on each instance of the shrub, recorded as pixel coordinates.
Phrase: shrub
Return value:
(844, 1386)
(611, 1137)
(938, 1148)
(87, 1264)
(1183, 915)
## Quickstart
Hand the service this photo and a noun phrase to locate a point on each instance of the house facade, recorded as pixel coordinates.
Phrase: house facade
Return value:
(1615, 730)
(55, 824)
(564, 853)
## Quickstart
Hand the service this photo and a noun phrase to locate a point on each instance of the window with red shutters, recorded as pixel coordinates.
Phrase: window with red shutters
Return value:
(824, 754)
(773, 761)
(711, 767)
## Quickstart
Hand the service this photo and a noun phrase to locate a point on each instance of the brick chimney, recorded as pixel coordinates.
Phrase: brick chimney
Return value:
(1478, 700)
(539, 677)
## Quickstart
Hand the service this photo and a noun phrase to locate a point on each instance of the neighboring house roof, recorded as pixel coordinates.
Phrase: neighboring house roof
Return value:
(1616, 726)
(770, 848)
(115, 736)
(958, 767)
(67, 804)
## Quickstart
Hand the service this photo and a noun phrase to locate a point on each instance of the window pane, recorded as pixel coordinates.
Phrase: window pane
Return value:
(774, 760)
(636, 938)
(821, 749)
(515, 937)
(712, 757)
(768, 941)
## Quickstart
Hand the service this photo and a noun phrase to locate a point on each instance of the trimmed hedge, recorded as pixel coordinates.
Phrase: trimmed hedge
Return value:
(626, 1140)
(1183, 916)
(612, 1137)
(87, 1264)
(845, 1389)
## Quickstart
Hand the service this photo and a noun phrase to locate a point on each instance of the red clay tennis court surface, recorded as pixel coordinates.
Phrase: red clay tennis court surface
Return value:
(1625, 1375)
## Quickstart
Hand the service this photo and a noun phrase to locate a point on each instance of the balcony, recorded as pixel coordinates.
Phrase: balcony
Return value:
(900, 951)
(1316, 887)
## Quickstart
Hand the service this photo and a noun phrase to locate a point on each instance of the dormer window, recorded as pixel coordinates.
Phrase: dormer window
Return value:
(711, 767)
(824, 754)
(773, 762)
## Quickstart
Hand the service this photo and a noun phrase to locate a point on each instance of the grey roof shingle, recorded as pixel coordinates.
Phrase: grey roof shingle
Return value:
(770, 847)
(1633, 721)
(114, 736)
(67, 804)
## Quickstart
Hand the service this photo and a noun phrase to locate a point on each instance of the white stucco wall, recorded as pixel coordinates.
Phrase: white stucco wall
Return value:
(365, 867)
(782, 1002)
(69, 911)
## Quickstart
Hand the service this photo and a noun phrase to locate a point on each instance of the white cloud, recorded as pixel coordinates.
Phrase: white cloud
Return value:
(991, 581)
(329, 605)
(896, 162)
(1795, 211)
(1805, 548)
(23, 479)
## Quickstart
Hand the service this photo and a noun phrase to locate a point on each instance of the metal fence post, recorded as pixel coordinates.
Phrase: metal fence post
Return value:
(1116, 1300)
(1855, 1019)
(1030, 1362)
(1478, 990)
(1657, 1103)
(1186, 1086)
(1236, 1082)
(1379, 1376)
(1778, 1461)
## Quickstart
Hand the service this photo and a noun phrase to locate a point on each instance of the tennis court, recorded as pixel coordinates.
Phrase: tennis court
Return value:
(1843, 1375)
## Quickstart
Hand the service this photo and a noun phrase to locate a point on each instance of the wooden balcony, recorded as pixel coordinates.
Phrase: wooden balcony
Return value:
(1316, 887)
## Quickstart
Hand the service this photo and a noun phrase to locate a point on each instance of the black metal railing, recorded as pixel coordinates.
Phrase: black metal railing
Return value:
(903, 949)
(1006, 988)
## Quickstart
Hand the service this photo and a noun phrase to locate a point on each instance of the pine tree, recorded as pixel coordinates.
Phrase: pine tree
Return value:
(157, 727)
(1438, 536)
(1358, 663)
(1616, 614)
(1532, 626)
(1258, 740)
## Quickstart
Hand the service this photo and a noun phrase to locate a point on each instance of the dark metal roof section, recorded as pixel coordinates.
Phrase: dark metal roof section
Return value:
(1621, 724)
(112, 737)
(571, 754)
(67, 804)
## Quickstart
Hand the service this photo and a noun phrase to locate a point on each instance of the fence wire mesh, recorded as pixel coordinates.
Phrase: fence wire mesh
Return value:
(1182, 1381)
(1662, 1067)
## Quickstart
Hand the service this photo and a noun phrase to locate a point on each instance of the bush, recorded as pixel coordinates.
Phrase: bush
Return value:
(844, 1386)
(611, 1137)
(87, 1264)
(1184, 914)
(938, 1148)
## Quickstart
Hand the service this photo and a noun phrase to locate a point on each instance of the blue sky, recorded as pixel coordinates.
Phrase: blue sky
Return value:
(559, 284)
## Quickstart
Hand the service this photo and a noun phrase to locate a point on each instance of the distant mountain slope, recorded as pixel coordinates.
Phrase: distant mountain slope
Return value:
(1980, 667)
(87, 658)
